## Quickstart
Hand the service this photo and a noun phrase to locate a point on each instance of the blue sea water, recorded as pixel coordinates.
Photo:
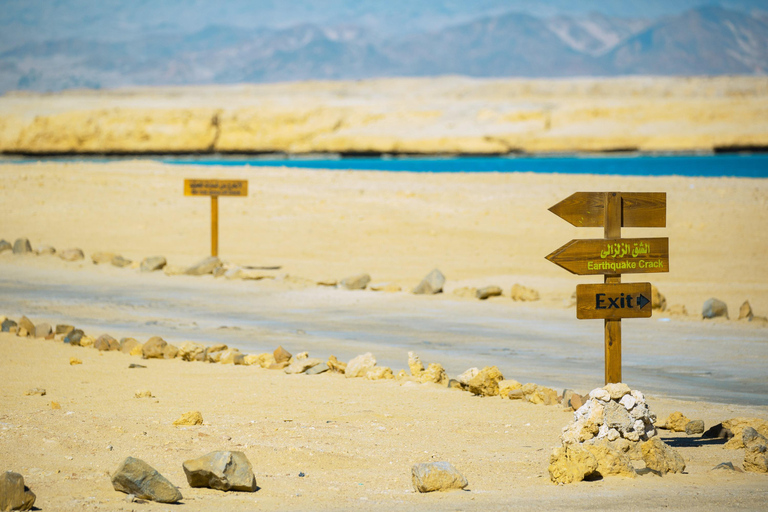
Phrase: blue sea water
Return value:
(734, 165)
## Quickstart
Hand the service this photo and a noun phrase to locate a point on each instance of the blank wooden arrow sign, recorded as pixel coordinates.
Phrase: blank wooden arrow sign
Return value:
(638, 209)
(613, 256)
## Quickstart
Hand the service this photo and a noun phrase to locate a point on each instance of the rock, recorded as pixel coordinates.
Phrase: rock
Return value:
(73, 254)
(134, 476)
(506, 386)
(516, 394)
(266, 360)
(55, 405)
(134, 365)
(745, 311)
(379, 373)
(726, 467)
(600, 394)
(755, 451)
(281, 355)
(279, 366)
(102, 257)
(14, 495)
(213, 354)
(250, 359)
(360, 365)
(174, 270)
(617, 390)
(7, 324)
(74, 336)
(659, 457)
(486, 382)
(5, 245)
(336, 366)
(128, 344)
(43, 330)
(576, 401)
(677, 310)
(610, 461)
(302, 365)
(153, 263)
(45, 250)
(106, 342)
(676, 422)
(536, 394)
(73, 361)
(615, 416)
(64, 329)
(467, 292)
(717, 432)
(431, 284)
(87, 341)
(189, 350)
(35, 391)
(523, 294)
(437, 476)
(204, 266)
(232, 356)
(143, 394)
(571, 463)
(414, 364)
(736, 427)
(358, 282)
(317, 369)
(22, 246)
(488, 291)
(119, 261)
(189, 418)
(22, 332)
(434, 373)
(385, 287)
(26, 324)
(225, 471)
(658, 301)
(467, 376)
(170, 351)
(154, 348)
(714, 308)
(694, 427)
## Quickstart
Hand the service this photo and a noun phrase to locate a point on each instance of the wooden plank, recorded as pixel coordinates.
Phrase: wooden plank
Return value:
(234, 188)
(613, 256)
(613, 301)
(639, 209)
(214, 225)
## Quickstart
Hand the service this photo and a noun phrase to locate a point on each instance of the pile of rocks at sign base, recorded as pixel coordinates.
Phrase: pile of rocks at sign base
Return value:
(613, 428)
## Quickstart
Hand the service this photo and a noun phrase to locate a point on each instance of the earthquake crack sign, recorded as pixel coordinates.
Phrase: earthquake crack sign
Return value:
(214, 189)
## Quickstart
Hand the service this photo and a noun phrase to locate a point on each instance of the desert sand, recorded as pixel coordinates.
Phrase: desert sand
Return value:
(354, 440)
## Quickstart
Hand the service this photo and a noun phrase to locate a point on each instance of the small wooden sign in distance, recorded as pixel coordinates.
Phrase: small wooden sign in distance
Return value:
(613, 256)
(638, 209)
(215, 188)
(613, 301)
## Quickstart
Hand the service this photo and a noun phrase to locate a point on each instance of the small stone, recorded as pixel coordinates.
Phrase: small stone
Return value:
(571, 463)
(105, 342)
(435, 373)
(384, 287)
(745, 311)
(136, 351)
(317, 369)
(153, 263)
(232, 356)
(467, 376)
(14, 495)
(189, 350)
(628, 401)
(225, 471)
(726, 467)
(676, 422)
(281, 355)
(22, 246)
(102, 257)
(617, 390)
(73, 254)
(302, 355)
(35, 391)
(64, 329)
(336, 366)
(694, 427)
(576, 401)
(7, 324)
(120, 262)
(128, 344)
(522, 294)
(658, 301)
(357, 282)
(43, 330)
(251, 359)
(487, 292)
(154, 348)
(26, 324)
(659, 457)
(539, 395)
(360, 365)
(714, 308)
(414, 364)
(134, 365)
(143, 394)
(279, 366)
(467, 292)
(55, 405)
(204, 266)
(22, 332)
(265, 360)
(5, 245)
(45, 250)
(189, 418)
(600, 394)
(73, 361)
(379, 373)
(437, 476)
(506, 386)
(302, 365)
(433, 283)
(174, 270)
(486, 382)
(134, 476)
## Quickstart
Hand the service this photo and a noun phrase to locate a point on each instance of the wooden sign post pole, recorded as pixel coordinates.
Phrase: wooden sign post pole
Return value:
(612, 230)
(214, 189)
(214, 225)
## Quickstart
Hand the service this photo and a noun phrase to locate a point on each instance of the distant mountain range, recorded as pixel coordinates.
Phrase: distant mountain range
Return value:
(709, 40)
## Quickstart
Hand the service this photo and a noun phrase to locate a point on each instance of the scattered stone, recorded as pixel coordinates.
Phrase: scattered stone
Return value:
(736, 427)
(523, 294)
(431, 284)
(467, 376)
(385, 287)
(714, 308)
(232, 356)
(250, 359)
(327, 282)
(119, 261)
(74, 336)
(102, 257)
(676, 422)
(279, 366)
(576, 401)
(153, 263)
(189, 350)
(87, 341)
(661, 458)
(64, 329)
(170, 351)
(694, 427)
(225, 471)
(610, 461)
(302, 355)
(189, 418)
(488, 291)
(154, 348)
(486, 382)
(55, 405)
(26, 324)
(755, 451)
(336, 366)
(658, 301)
(45, 250)
(437, 476)
(467, 292)
(22, 332)
(414, 364)
(678, 310)
(281, 355)
(137, 350)
(536, 394)
(357, 282)
(507, 386)
(302, 365)
(134, 365)
(379, 373)
(7, 324)
(617, 390)
(14, 495)
(105, 342)
(266, 360)
(317, 369)
(43, 330)
(5, 245)
(134, 476)
(745, 311)
(35, 391)
(73, 254)
(22, 246)
(360, 365)
(434, 373)
(204, 266)
(73, 361)
(143, 394)
(726, 466)
(213, 353)
(174, 270)
(571, 463)
(127, 345)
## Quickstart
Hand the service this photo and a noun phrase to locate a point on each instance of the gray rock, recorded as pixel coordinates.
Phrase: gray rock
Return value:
(43, 330)
(22, 246)
(694, 427)
(134, 476)
(317, 369)
(14, 495)
(105, 342)
(203, 267)
(119, 261)
(45, 250)
(431, 284)
(74, 336)
(302, 365)
(153, 263)
(488, 291)
(154, 348)
(5, 245)
(358, 282)
(7, 324)
(714, 308)
(437, 476)
(726, 467)
(74, 254)
(64, 329)
(617, 417)
(226, 471)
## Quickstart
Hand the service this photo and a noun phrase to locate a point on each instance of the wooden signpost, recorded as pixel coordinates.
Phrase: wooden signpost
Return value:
(613, 256)
(214, 189)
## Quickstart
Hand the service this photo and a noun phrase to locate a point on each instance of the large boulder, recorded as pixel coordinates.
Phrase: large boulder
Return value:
(225, 471)
(204, 266)
(360, 365)
(734, 429)
(486, 382)
(437, 476)
(611, 461)
(433, 283)
(714, 308)
(22, 246)
(14, 495)
(661, 458)
(134, 476)
(154, 348)
(356, 282)
(571, 463)
(232, 356)
(536, 394)
(755, 451)
(153, 263)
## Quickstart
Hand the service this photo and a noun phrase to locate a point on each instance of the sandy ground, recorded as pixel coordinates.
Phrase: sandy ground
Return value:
(355, 440)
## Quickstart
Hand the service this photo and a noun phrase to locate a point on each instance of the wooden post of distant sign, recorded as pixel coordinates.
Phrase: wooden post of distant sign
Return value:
(613, 256)
(214, 189)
